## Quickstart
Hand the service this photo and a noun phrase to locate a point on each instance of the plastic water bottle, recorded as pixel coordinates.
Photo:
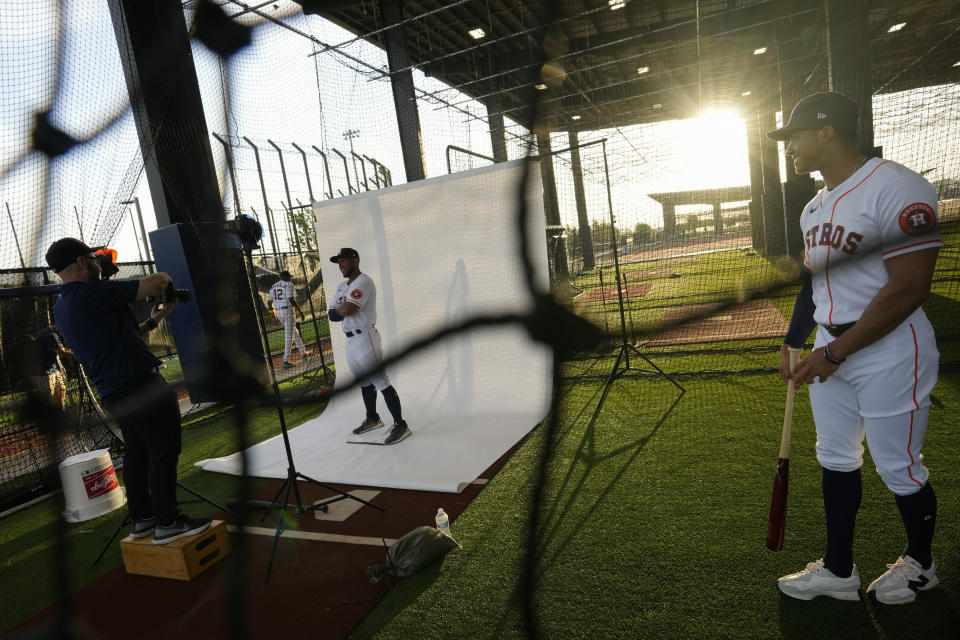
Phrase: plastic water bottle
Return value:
(443, 522)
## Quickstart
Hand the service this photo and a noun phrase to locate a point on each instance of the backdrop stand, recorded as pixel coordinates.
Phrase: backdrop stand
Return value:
(622, 365)
(324, 370)
(563, 286)
(289, 484)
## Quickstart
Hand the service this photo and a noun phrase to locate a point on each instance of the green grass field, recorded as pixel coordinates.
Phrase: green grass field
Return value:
(307, 331)
(656, 530)
(28, 566)
(652, 526)
(651, 520)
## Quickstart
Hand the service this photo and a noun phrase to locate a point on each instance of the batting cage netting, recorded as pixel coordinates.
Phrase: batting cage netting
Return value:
(574, 219)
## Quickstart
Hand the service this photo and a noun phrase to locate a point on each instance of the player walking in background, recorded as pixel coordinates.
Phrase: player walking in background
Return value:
(96, 321)
(355, 305)
(871, 243)
(282, 302)
(48, 375)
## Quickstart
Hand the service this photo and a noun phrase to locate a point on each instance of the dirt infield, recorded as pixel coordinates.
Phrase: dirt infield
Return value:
(610, 293)
(683, 249)
(711, 323)
(650, 273)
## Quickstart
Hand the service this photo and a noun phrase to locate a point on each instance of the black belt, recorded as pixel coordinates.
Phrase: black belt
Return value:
(837, 330)
(350, 333)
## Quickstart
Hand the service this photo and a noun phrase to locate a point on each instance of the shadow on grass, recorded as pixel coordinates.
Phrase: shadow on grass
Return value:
(405, 591)
(931, 617)
(825, 617)
(587, 456)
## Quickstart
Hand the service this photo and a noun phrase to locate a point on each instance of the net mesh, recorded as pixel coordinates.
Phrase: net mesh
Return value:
(664, 201)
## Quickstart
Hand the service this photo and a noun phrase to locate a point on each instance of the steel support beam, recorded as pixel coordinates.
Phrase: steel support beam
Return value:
(168, 111)
(404, 94)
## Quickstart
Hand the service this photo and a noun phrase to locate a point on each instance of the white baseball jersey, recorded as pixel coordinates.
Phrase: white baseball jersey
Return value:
(362, 293)
(282, 294)
(881, 392)
(882, 210)
(364, 351)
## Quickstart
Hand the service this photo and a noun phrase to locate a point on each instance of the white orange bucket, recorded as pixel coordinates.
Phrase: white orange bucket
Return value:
(90, 486)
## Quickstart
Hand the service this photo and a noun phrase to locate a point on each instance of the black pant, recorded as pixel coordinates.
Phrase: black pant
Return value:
(149, 417)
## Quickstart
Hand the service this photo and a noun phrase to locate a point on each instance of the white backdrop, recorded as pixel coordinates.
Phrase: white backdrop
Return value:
(439, 251)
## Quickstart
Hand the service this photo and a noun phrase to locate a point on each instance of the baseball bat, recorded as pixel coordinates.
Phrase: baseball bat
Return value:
(778, 501)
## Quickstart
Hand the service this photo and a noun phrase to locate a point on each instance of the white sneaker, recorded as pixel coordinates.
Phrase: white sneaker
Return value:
(816, 580)
(903, 580)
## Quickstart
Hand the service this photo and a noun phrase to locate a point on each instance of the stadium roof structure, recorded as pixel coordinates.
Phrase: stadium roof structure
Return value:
(622, 62)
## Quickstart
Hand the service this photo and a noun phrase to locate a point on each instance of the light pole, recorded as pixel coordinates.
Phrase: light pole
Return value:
(349, 135)
(143, 232)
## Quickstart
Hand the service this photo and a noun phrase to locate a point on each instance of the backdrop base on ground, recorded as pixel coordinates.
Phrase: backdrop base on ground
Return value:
(440, 251)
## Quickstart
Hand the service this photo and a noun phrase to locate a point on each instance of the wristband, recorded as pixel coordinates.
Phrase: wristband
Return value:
(150, 323)
(830, 357)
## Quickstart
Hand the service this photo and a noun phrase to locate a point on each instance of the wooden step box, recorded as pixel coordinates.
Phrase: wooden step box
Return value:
(181, 559)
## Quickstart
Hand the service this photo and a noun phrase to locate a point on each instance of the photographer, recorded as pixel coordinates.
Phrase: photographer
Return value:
(94, 318)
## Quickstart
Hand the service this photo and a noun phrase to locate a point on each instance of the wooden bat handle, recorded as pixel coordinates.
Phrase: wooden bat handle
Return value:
(788, 412)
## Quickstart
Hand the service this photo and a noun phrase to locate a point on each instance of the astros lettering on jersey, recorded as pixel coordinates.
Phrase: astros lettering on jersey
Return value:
(882, 210)
(362, 293)
(364, 351)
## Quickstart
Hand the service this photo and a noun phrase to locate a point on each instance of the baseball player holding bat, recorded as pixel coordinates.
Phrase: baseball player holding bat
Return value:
(282, 302)
(871, 244)
(355, 306)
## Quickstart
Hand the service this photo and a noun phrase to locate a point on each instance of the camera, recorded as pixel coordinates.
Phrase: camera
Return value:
(245, 231)
(180, 295)
(107, 259)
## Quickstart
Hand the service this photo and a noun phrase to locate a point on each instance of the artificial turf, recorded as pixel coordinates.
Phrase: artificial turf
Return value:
(31, 572)
(651, 519)
(655, 529)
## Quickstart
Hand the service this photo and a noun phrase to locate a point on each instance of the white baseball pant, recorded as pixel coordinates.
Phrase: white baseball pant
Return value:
(881, 392)
(364, 355)
(289, 321)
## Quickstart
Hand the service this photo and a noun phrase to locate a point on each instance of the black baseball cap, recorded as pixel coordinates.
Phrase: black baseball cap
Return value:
(65, 251)
(345, 252)
(819, 110)
(284, 275)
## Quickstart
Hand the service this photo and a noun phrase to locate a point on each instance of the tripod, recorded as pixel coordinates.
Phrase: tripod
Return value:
(326, 372)
(126, 518)
(564, 286)
(289, 484)
(109, 424)
(622, 364)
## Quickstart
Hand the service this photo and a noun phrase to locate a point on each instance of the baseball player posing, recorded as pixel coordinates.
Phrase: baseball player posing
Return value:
(871, 244)
(282, 302)
(355, 305)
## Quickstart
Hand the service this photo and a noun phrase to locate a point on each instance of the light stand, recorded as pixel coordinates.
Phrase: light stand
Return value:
(289, 484)
(565, 287)
(622, 364)
(326, 372)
